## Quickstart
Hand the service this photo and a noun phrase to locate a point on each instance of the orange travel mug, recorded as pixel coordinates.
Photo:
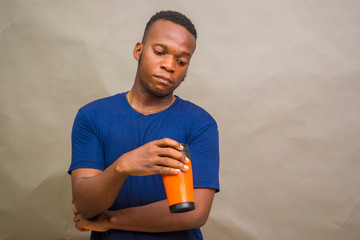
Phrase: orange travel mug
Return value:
(179, 188)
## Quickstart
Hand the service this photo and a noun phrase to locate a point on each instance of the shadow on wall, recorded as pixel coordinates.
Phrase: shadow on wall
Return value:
(45, 78)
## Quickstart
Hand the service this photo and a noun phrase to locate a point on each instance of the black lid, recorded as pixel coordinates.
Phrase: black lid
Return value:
(182, 207)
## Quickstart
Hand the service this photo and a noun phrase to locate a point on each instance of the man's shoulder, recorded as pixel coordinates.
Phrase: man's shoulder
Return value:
(193, 110)
(102, 104)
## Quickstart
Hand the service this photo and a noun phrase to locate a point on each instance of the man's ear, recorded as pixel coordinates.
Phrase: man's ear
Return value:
(138, 50)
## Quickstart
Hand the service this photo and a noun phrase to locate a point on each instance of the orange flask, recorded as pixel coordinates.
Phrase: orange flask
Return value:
(179, 188)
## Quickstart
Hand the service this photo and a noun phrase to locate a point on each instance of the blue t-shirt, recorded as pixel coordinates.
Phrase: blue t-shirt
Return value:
(107, 128)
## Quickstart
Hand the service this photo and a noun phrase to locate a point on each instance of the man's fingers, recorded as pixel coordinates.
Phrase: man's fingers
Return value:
(167, 142)
(172, 153)
(76, 219)
(171, 163)
(78, 224)
(167, 170)
(75, 211)
(81, 229)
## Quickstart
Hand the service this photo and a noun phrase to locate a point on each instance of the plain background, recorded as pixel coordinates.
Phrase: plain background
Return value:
(282, 79)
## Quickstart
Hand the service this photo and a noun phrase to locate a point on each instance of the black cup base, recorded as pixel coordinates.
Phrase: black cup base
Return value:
(182, 207)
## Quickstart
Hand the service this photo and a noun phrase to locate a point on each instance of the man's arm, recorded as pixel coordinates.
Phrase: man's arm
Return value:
(154, 217)
(94, 191)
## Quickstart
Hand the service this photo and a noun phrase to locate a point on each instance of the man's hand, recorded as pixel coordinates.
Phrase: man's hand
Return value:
(156, 157)
(96, 223)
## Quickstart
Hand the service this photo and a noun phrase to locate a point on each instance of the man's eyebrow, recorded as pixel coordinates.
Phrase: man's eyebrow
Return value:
(166, 48)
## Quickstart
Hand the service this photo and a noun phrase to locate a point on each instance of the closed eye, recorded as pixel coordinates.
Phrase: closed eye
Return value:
(182, 63)
(159, 53)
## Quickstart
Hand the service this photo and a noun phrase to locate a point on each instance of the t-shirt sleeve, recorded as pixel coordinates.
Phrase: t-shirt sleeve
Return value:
(86, 148)
(204, 151)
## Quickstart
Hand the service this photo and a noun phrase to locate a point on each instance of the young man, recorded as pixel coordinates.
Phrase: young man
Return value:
(122, 144)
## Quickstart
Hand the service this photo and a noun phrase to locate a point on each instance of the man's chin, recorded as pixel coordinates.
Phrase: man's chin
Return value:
(162, 94)
(159, 92)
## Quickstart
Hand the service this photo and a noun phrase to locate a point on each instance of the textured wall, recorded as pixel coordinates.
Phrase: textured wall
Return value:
(281, 77)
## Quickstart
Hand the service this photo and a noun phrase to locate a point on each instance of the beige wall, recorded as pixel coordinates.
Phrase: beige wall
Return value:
(282, 78)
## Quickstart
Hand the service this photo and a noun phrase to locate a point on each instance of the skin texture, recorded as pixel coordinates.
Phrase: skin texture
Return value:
(164, 59)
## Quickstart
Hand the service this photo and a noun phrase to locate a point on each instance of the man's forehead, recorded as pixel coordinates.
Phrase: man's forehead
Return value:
(165, 31)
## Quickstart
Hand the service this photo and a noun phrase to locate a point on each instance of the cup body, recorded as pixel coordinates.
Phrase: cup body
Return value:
(179, 188)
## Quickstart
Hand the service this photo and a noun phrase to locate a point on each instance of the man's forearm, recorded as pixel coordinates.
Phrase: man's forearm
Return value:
(96, 191)
(156, 217)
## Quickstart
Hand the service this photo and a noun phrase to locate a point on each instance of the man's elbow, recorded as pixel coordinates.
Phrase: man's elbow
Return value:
(199, 223)
(85, 211)
(200, 219)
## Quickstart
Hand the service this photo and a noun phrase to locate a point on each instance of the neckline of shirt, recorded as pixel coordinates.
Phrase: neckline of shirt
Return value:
(153, 115)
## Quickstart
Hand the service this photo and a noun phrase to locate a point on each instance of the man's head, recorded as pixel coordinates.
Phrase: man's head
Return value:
(172, 16)
(165, 53)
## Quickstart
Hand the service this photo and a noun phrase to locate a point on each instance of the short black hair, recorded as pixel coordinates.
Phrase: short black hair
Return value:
(172, 16)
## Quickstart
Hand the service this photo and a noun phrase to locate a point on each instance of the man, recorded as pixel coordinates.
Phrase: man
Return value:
(122, 144)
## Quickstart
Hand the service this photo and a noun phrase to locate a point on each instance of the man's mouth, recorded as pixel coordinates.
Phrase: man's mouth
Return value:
(163, 79)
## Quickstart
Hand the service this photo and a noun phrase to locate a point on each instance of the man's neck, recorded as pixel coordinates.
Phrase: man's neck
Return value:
(146, 103)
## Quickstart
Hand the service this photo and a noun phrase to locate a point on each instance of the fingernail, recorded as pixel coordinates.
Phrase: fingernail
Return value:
(181, 147)
(187, 159)
(177, 171)
(186, 167)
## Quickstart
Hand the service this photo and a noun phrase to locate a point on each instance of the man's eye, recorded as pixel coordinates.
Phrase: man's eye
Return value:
(181, 63)
(158, 52)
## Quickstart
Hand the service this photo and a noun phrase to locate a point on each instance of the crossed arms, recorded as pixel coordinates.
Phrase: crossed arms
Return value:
(94, 191)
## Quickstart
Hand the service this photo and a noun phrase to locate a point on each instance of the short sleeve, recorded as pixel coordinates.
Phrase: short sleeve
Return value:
(204, 151)
(86, 148)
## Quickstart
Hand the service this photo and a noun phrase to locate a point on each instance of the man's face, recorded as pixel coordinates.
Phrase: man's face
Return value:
(164, 57)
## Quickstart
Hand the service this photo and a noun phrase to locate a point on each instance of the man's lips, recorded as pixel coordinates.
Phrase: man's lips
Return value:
(163, 79)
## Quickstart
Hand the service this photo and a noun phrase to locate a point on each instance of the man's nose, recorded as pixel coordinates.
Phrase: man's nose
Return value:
(169, 64)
